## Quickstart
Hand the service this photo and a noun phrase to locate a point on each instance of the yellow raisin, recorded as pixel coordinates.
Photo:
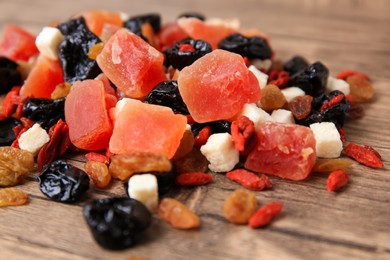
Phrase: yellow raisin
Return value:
(12, 197)
(14, 165)
(95, 50)
(61, 90)
(99, 173)
(330, 165)
(194, 161)
(123, 166)
(186, 145)
(148, 32)
(360, 88)
(240, 206)
(177, 214)
(272, 98)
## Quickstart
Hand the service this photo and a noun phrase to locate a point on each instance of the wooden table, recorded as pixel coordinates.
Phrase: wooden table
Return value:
(352, 224)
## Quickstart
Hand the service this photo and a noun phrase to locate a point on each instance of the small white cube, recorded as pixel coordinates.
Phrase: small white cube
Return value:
(262, 64)
(261, 77)
(144, 188)
(255, 114)
(220, 152)
(292, 92)
(328, 143)
(233, 23)
(337, 84)
(48, 41)
(283, 116)
(33, 139)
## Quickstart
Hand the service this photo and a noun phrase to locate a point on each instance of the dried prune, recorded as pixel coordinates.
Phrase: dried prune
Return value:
(192, 15)
(7, 135)
(220, 126)
(295, 65)
(9, 75)
(252, 47)
(62, 182)
(179, 57)
(134, 24)
(45, 112)
(312, 80)
(74, 50)
(167, 94)
(116, 222)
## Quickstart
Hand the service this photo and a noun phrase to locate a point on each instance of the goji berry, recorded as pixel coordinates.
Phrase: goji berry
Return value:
(336, 180)
(342, 134)
(346, 73)
(265, 214)
(364, 154)
(334, 101)
(242, 129)
(97, 157)
(9, 104)
(193, 179)
(278, 78)
(249, 179)
(202, 136)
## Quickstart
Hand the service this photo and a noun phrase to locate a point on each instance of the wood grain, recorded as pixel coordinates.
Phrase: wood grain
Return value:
(352, 224)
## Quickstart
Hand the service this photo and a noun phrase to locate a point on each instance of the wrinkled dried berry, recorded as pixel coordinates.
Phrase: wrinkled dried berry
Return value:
(240, 206)
(7, 135)
(45, 112)
(300, 106)
(361, 88)
(177, 214)
(115, 223)
(12, 197)
(134, 24)
(63, 182)
(272, 98)
(312, 80)
(220, 126)
(15, 164)
(98, 172)
(194, 161)
(295, 64)
(330, 165)
(9, 75)
(74, 50)
(179, 57)
(193, 15)
(167, 94)
(253, 47)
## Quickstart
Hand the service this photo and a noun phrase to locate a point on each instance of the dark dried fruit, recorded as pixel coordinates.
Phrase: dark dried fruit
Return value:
(300, 106)
(220, 126)
(167, 94)
(295, 65)
(9, 75)
(179, 57)
(116, 222)
(7, 135)
(134, 24)
(253, 47)
(193, 15)
(74, 50)
(63, 182)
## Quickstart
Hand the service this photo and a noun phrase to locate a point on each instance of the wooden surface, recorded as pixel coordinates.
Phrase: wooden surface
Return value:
(353, 224)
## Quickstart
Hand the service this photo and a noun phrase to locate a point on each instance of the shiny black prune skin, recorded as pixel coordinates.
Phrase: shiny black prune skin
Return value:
(250, 47)
(312, 80)
(7, 135)
(220, 126)
(179, 59)
(295, 64)
(167, 94)
(116, 222)
(45, 112)
(62, 182)
(9, 75)
(134, 24)
(74, 49)
(192, 15)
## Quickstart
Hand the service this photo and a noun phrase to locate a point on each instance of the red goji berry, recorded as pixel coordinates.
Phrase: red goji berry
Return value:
(193, 179)
(265, 214)
(9, 104)
(334, 101)
(278, 78)
(2, 117)
(97, 157)
(185, 47)
(346, 73)
(342, 134)
(249, 179)
(242, 129)
(190, 120)
(336, 180)
(364, 154)
(202, 136)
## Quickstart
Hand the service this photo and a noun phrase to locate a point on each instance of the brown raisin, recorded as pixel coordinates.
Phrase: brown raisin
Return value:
(14, 165)
(330, 165)
(240, 206)
(194, 161)
(361, 88)
(99, 173)
(186, 145)
(12, 197)
(272, 98)
(177, 214)
(300, 106)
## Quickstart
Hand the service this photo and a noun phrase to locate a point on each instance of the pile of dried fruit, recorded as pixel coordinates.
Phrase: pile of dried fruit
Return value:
(161, 105)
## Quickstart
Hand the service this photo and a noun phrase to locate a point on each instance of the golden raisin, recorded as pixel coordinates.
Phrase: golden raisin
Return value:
(12, 197)
(148, 32)
(240, 206)
(330, 165)
(14, 165)
(360, 88)
(177, 214)
(186, 145)
(61, 90)
(122, 166)
(99, 173)
(95, 50)
(194, 161)
(272, 98)
(300, 106)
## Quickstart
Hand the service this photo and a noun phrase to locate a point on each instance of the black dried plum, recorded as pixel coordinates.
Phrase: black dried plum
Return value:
(179, 58)
(7, 135)
(167, 94)
(134, 24)
(295, 64)
(74, 49)
(9, 75)
(312, 80)
(220, 126)
(116, 222)
(192, 15)
(252, 47)
(45, 112)
(62, 182)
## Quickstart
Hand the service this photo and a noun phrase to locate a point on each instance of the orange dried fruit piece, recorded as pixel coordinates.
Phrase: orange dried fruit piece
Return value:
(123, 166)
(61, 90)
(330, 165)
(95, 50)
(99, 173)
(240, 206)
(186, 145)
(300, 106)
(14, 165)
(177, 214)
(194, 161)
(272, 98)
(361, 89)
(12, 197)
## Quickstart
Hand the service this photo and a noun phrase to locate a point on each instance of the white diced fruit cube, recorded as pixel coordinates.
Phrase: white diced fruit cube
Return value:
(33, 139)
(262, 64)
(220, 152)
(283, 116)
(337, 84)
(144, 188)
(292, 92)
(48, 41)
(328, 143)
(261, 77)
(255, 114)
